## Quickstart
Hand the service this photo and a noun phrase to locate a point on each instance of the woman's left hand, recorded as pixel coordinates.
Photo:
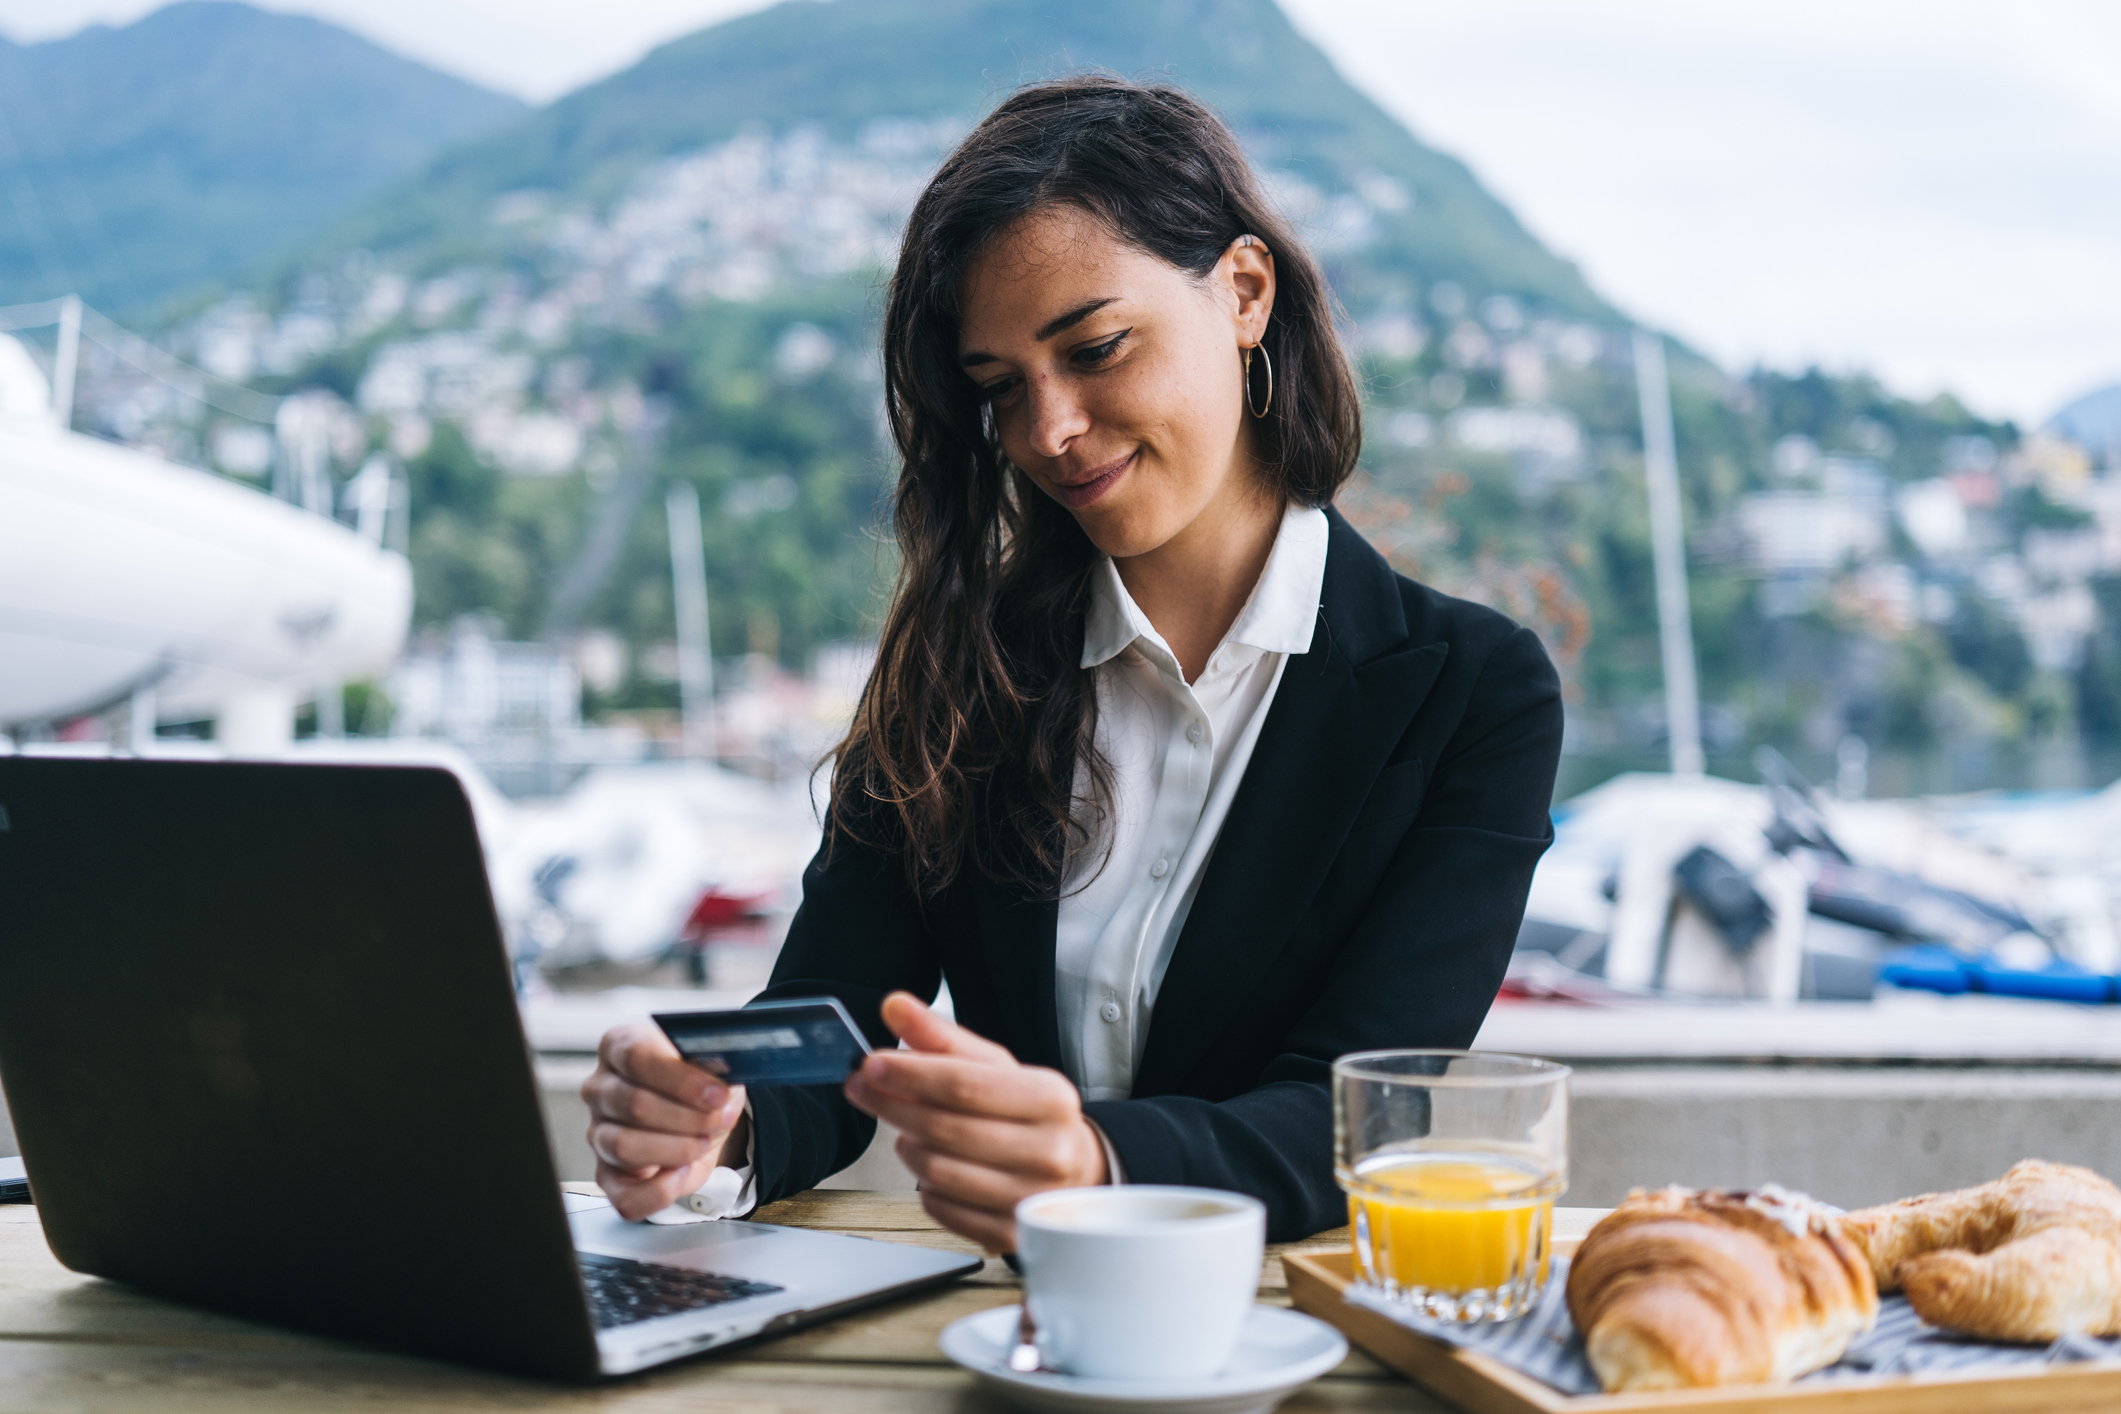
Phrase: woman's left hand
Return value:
(979, 1130)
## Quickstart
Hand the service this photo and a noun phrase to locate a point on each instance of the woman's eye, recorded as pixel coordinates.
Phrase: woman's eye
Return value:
(1099, 353)
(1002, 390)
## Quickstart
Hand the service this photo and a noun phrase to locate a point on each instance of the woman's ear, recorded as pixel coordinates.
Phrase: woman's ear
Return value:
(1250, 268)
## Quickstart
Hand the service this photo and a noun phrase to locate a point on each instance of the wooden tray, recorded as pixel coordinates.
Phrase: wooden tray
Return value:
(1487, 1386)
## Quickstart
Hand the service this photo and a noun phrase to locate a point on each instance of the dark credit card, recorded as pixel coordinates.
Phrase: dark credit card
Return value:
(774, 1043)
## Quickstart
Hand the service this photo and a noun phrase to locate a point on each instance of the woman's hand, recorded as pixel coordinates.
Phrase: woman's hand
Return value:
(978, 1130)
(657, 1125)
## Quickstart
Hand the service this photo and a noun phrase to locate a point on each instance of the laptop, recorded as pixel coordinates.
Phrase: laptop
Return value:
(260, 1044)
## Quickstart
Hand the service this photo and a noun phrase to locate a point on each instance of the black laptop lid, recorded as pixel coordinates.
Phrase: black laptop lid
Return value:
(260, 1046)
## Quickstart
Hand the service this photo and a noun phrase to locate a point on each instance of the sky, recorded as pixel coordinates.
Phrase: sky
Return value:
(1925, 190)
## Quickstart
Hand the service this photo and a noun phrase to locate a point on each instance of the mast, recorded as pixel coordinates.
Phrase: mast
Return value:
(1675, 630)
(69, 360)
(688, 579)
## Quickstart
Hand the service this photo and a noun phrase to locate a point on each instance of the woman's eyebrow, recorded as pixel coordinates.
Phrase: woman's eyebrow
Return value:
(1072, 318)
(1066, 321)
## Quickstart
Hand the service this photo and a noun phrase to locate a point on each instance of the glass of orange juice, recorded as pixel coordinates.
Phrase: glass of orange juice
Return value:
(1451, 1161)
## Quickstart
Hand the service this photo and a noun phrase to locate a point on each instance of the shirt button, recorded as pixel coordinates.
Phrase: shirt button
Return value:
(1109, 1011)
(1160, 868)
(1193, 733)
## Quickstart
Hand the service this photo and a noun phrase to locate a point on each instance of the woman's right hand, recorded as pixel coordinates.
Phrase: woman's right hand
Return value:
(657, 1125)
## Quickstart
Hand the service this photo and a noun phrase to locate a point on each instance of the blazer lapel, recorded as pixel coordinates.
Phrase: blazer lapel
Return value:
(1337, 714)
(1017, 935)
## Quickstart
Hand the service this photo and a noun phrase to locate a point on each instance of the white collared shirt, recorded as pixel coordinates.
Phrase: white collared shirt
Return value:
(1177, 752)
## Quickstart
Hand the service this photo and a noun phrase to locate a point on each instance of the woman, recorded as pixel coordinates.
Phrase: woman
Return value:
(1178, 786)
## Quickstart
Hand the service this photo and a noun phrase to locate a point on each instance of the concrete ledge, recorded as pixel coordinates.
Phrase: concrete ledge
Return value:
(1899, 1028)
(1851, 1136)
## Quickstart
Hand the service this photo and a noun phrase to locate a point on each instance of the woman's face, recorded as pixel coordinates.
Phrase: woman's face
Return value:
(1116, 379)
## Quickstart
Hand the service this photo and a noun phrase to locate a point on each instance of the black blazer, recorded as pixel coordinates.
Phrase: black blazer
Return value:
(1365, 893)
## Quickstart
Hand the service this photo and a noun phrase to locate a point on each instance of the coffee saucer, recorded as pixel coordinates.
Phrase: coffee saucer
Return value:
(1277, 1351)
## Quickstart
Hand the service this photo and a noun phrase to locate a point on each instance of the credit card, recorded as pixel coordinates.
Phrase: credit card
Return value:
(808, 1042)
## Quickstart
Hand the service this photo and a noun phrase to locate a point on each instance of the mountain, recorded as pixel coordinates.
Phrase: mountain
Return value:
(673, 275)
(195, 143)
(839, 65)
(707, 230)
(2093, 422)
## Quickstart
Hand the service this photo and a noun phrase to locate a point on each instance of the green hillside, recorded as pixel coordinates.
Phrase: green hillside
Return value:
(674, 274)
(841, 64)
(531, 243)
(191, 146)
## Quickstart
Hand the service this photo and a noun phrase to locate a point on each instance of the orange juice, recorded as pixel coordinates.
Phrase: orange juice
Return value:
(1464, 1235)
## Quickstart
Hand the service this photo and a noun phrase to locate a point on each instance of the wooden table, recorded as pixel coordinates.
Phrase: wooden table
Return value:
(75, 1343)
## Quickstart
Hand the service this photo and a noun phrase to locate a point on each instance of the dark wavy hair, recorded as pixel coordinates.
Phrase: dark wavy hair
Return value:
(964, 750)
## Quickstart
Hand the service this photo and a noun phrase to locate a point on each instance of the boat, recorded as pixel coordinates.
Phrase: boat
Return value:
(1686, 887)
(125, 576)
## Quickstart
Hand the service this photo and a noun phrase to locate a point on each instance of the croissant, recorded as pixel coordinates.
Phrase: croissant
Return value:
(1677, 1288)
(2034, 1256)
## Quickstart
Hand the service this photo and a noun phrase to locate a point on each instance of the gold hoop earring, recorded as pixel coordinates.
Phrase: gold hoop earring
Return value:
(1260, 409)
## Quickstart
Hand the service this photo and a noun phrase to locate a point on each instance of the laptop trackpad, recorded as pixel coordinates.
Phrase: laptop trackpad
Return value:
(601, 1229)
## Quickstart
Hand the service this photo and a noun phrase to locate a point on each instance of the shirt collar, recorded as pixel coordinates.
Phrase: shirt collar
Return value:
(1279, 617)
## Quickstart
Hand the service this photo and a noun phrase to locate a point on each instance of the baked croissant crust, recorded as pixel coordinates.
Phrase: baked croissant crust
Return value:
(1677, 1289)
(2034, 1256)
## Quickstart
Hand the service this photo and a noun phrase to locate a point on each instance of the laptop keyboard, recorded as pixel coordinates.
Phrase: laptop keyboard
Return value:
(622, 1291)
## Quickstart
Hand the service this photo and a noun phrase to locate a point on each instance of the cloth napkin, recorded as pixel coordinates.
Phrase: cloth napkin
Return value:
(1544, 1343)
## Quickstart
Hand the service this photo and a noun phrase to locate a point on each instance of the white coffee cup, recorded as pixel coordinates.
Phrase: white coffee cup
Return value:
(1139, 1281)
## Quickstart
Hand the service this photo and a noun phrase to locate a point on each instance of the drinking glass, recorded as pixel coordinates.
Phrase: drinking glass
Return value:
(1451, 1161)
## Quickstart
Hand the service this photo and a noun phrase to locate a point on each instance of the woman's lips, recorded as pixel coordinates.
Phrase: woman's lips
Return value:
(1080, 494)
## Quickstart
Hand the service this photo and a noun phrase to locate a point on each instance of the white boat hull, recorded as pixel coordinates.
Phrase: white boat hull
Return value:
(119, 569)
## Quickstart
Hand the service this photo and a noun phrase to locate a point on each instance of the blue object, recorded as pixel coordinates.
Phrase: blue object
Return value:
(2059, 981)
(1927, 967)
(1930, 968)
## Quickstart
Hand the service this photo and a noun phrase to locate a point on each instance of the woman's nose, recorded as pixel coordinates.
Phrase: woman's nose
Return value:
(1057, 416)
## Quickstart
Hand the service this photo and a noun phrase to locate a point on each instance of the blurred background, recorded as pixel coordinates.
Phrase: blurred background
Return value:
(496, 386)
